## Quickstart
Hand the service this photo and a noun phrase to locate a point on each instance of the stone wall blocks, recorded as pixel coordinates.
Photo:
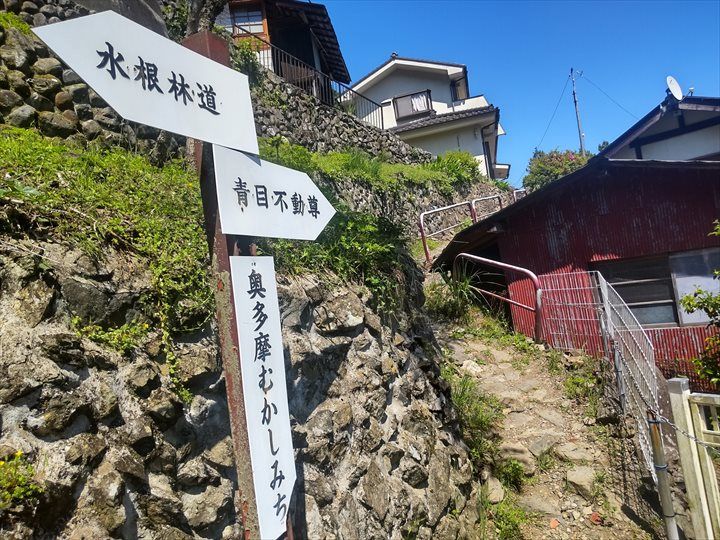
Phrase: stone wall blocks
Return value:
(47, 85)
(23, 117)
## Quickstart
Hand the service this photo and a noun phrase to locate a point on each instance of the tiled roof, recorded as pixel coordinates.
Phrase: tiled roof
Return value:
(436, 119)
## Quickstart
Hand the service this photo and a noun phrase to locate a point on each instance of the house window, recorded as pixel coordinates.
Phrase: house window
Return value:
(412, 104)
(241, 19)
(652, 287)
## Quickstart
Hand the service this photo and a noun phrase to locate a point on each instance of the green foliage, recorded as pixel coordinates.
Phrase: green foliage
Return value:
(510, 473)
(417, 250)
(546, 461)
(176, 19)
(244, 58)
(10, 20)
(545, 167)
(92, 198)
(458, 164)
(479, 414)
(354, 164)
(450, 299)
(493, 329)
(708, 363)
(508, 518)
(356, 246)
(16, 481)
(123, 338)
(582, 384)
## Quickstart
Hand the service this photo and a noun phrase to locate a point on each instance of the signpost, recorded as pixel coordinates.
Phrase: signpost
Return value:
(266, 406)
(259, 198)
(154, 81)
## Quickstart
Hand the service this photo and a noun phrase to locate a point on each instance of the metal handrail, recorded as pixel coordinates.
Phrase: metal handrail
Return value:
(489, 198)
(423, 215)
(537, 309)
(314, 82)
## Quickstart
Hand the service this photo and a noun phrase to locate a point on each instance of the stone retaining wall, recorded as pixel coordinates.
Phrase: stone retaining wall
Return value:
(282, 109)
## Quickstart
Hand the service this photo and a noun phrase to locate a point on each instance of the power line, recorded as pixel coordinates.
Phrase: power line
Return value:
(609, 97)
(554, 112)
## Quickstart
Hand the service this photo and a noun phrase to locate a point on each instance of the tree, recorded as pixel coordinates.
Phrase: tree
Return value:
(603, 145)
(708, 363)
(186, 17)
(544, 167)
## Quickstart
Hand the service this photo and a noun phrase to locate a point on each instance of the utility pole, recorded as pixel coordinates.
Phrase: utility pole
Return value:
(581, 135)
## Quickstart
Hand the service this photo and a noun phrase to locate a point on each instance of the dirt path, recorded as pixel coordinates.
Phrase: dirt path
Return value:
(566, 492)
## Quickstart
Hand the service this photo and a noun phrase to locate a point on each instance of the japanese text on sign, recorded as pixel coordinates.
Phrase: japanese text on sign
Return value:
(266, 408)
(259, 198)
(149, 79)
(152, 80)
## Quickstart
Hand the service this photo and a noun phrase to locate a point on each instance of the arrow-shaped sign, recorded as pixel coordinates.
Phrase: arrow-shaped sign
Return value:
(154, 81)
(259, 198)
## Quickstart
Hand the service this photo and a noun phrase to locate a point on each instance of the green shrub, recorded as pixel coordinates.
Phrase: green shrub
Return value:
(10, 20)
(459, 165)
(450, 299)
(91, 198)
(16, 481)
(176, 19)
(357, 247)
(511, 474)
(708, 363)
(479, 415)
(507, 518)
(123, 338)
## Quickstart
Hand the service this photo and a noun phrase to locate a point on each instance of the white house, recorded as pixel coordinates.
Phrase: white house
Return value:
(428, 105)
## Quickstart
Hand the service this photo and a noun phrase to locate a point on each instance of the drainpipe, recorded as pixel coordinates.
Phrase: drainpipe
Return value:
(488, 158)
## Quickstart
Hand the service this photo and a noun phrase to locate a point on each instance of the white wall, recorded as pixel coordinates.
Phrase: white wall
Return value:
(406, 81)
(467, 138)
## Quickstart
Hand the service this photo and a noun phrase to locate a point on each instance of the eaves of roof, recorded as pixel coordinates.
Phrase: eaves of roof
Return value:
(594, 168)
(407, 59)
(444, 118)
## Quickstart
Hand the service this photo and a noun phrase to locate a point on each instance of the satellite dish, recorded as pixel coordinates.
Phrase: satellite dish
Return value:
(674, 88)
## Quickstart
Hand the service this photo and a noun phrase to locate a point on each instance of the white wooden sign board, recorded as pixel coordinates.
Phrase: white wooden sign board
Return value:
(259, 198)
(263, 375)
(154, 81)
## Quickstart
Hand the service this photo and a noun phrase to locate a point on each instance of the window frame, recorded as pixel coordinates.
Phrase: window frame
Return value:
(430, 109)
(671, 278)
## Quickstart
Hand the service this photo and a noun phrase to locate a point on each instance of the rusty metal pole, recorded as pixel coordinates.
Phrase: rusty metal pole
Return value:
(221, 248)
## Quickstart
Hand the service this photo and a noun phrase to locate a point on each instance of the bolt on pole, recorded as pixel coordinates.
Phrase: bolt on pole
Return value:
(661, 470)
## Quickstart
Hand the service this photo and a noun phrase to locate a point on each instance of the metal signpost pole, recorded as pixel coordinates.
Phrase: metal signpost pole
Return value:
(662, 476)
(221, 248)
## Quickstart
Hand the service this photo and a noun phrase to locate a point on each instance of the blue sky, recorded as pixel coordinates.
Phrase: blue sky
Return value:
(519, 55)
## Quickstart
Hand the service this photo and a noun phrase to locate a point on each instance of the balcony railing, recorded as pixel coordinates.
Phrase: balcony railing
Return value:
(312, 81)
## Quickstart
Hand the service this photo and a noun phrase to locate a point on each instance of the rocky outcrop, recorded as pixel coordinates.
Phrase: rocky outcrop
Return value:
(119, 455)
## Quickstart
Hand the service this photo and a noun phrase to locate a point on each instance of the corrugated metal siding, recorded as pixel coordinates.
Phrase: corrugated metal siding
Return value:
(630, 213)
(674, 347)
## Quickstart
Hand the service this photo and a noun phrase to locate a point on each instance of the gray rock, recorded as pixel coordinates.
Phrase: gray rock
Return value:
(12, 6)
(197, 473)
(413, 473)
(79, 92)
(582, 480)
(29, 7)
(208, 507)
(47, 66)
(40, 103)
(32, 301)
(372, 492)
(519, 453)
(17, 82)
(495, 490)
(38, 19)
(142, 377)
(164, 407)
(107, 118)
(56, 125)
(47, 85)
(23, 116)
(9, 100)
(69, 77)
(83, 111)
(543, 443)
(64, 101)
(574, 453)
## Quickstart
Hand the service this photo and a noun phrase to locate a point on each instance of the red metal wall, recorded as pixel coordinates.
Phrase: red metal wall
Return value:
(626, 213)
